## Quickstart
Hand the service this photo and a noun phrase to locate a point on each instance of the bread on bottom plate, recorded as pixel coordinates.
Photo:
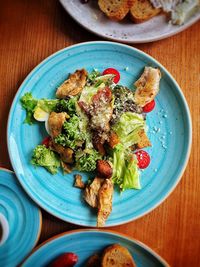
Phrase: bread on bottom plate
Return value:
(143, 10)
(115, 9)
(117, 256)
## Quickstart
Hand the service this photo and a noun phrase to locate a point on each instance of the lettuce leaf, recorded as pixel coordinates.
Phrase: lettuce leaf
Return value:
(125, 170)
(128, 127)
(71, 135)
(29, 104)
(86, 160)
(45, 157)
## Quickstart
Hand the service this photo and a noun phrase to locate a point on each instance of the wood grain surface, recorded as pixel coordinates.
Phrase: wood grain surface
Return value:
(31, 31)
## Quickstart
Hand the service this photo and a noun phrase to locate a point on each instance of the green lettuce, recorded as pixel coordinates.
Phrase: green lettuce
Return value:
(48, 105)
(125, 170)
(29, 103)
(128, 127)
(68, 106)
(45, 157)
(71, 135)
(86, 160)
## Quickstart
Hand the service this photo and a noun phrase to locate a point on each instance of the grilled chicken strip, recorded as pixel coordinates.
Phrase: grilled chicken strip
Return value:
(73, 85)
(91, 192)
(78, 181)
(104, 202)
(65, 153)
(147, 86)
(55, 122)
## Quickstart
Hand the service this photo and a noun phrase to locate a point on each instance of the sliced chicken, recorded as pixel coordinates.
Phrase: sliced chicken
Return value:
(91, 192)
(73, 85)
(55, 123)
(67, 168)
(147, 86)
(104, 202)
(78, 181)
(65, 153)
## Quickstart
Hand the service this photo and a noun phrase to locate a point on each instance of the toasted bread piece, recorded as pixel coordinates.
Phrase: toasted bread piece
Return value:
(115, 9)
(117, 256)
(113, 140)
(144, 140)
(94, 261)
(143, 10)
(104, 168)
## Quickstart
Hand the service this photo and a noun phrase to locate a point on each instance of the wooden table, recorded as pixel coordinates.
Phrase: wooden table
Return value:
(31, 31)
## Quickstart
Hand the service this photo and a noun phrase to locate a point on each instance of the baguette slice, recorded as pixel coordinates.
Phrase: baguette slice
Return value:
(143, 10)
(115, 9)
(118, 256)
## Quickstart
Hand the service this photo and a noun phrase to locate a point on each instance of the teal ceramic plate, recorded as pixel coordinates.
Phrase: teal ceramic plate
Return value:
(87, 242)
(20, 221)
(169, 132)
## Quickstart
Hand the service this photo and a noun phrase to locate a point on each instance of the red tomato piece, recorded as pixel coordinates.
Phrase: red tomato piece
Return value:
(143, 159)
(113, 71)
(149, 107)
(68, 259)
(46, 141)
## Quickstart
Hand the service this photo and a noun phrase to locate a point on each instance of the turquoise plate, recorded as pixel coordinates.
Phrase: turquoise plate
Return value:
(87, 242)
(20, 221)
(169, 132)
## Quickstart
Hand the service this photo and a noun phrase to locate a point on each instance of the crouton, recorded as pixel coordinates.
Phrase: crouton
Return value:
(113, 140)
(104, 169)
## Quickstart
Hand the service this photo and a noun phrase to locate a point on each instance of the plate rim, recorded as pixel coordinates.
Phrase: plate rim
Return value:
(107, 231)
(179, 91)
(132, 41)
(39, 213)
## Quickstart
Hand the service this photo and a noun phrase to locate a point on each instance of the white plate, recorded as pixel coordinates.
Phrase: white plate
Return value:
(90, 17)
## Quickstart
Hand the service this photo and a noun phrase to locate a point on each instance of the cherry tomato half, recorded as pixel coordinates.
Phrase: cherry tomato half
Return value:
(149, 107)
(113, 71)
(143, 159)
(46, 141)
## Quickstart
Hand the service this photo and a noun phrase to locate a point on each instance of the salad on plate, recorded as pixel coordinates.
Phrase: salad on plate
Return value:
(96, 125)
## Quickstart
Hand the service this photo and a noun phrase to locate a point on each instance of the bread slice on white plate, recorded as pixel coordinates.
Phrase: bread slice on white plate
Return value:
(143, 10)
(115, 9)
